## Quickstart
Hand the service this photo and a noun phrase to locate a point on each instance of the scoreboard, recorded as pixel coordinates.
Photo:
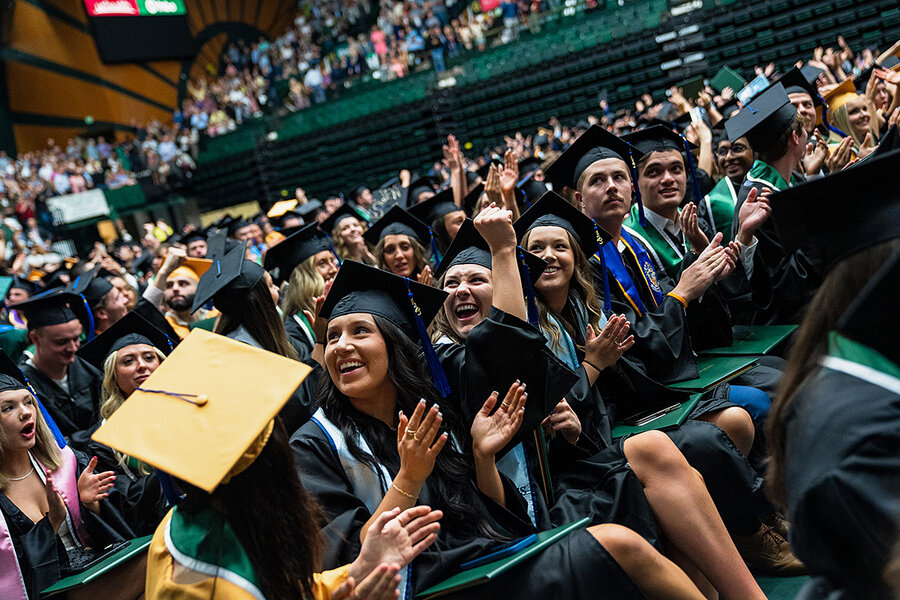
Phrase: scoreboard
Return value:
(139, 30)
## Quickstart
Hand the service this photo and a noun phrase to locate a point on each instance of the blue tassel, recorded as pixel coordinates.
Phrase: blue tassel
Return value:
(435, 255)
(438, 377)
(90, 332)
(637, 190)
(528, 287)
(607, 301)
(690, 161)
(334, 251)
(168, 488)
(57, 434)
(825, 119)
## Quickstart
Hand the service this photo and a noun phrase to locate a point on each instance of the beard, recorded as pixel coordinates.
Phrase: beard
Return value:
(181, 303)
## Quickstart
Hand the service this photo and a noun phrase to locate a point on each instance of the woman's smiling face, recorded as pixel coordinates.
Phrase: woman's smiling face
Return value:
(356, 355)
(471, 293)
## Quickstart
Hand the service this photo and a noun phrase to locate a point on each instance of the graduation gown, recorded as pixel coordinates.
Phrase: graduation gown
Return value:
(716, 210)
(575, 567)
(843, 473)
(76, 410)
(300, 335)
(137, 498)
(793, 275)
(41, 555)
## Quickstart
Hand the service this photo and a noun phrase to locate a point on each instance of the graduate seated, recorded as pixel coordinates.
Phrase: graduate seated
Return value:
(380, 441)
(174, 288)
(54, 513)
(245, 527)
(834, 431)
(400, 242)
(346, 227)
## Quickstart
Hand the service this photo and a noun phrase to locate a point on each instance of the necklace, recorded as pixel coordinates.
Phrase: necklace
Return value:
(23, 476)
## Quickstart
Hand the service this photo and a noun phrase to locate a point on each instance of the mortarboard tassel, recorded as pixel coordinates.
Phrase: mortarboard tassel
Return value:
(607, 301)
(636, 189)
(168, 488)
(690, 161)
(90, 332)
(528, 288)
(434, 249)
(825, 119)
(334, 251)
(438, 377)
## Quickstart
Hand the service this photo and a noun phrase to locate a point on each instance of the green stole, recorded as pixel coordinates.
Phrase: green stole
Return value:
(720, 203)
(862, 362)
(763, 174)
(666, 255)
(203, 542)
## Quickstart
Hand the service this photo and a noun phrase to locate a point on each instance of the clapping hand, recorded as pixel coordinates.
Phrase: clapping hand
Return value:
(491, 432)
(690, 224)
(93, 487)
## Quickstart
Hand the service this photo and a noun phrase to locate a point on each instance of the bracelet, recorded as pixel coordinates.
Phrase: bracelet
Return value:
(407, 494)
(596, 368)
(680, 299)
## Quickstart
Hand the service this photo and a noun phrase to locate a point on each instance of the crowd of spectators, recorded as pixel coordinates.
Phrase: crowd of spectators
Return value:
(330, 43)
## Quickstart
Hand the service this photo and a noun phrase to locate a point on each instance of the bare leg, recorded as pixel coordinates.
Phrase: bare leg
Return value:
(655, 576)
(686, 514)
(691, 570)
(737, 425)
(125, 582)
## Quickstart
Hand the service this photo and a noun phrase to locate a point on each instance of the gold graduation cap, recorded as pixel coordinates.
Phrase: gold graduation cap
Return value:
(282, 206)
(840, 95)
(195, 267)
(203, 411)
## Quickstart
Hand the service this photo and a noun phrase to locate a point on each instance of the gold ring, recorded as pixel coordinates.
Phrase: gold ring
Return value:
(416, 437)
(411, 432)
(505, 403)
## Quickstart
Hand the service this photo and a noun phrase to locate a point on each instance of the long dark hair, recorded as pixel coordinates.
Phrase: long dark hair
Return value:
(284, 551)
(452, 477)
(836, 293)
(260, 319)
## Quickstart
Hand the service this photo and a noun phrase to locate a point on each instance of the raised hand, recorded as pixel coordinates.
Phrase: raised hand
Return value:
(602, 351)
(563, 421)
(418, 443)
(452, 155)
(425, 276)
(867, 147)
(705, 271)
(93, 487)
(840, 156)
(495, 226)
(396, 538)
(509, 175)
(57, 512)
(491, 432)
(381, 584)
(816, 153)
(754, 212)
(319, 325)
(690, 224)
(492, 186)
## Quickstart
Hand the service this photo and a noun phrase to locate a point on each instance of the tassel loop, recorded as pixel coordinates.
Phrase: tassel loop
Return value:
(438, 377)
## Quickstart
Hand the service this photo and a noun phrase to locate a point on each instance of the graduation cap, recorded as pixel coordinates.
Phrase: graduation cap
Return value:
(817, 218)
(764, 119)
(409, 305)
(18, 283)
(657, 138)
(594, 144)
(129, 330)
(528, 165)
(417, 187)
(235, 225)
(811, 73)
(553, 210)
(91, 286)
(309, 210)
(397, 221)
(471, 199)
(343, 211)
(281, 208)
(190, 417)
(194, 235)
(436, 207)
(470, 248)
(296, 248)
(228, 281)
(153, 315)
(12, 378)
(530, 189)
(796, 82)
(839, 96)
(193, 268)
(871, 319)
(217, 245)
(53, 307)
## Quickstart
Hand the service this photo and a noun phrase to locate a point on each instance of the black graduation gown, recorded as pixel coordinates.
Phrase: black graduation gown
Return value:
(843, 483)
(76, 410)
(137, 498)
(298, 338)
(576, 567)
(41, 554)
(792, 276)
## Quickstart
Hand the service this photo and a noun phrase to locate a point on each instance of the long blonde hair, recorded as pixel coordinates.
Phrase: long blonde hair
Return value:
(305, 284)
(581, 285)
(840, 118)
(340, 246)
(112, 397)
(45, 450)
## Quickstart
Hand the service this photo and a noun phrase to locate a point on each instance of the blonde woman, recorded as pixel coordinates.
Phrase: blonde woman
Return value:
(127, 354)
(855, 115)
(347, 227)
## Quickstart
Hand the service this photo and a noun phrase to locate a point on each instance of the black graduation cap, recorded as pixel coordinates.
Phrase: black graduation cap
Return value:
(295, 249)
(127, 331)
(483, 169)
(191, 236)
(397, 221)
(811, 73)
(553, 210)
(764, 119)
(20, 283)
(342, 212)
(594, 144)
(530, 189)
(436, 207)
(288, 214)
(471, 199)
(227, 281)
(309, 210)
(469, 248)
(657, 138)
(410, 305)
(418, 186)
(472, 178)
(153, 315)
(830, 219)
(871, 319)
(235, 225)
(53, 307)
(528, 165)
(12, 378)
(91, 286)
(796, 82)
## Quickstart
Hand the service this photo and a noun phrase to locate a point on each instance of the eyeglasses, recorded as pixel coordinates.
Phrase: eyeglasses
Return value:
(734, 149)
